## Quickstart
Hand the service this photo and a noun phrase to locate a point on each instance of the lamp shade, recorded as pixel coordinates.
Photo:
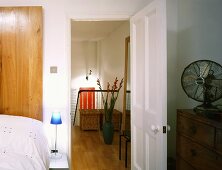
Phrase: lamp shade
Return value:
(56, 118)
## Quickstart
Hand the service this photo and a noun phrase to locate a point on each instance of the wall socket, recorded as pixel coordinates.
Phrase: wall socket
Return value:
(53, 69)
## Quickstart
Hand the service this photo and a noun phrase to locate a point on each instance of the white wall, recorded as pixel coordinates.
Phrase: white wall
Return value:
(84, 59)
(106, 60)
(112, 58)
(55, 86)
(56, 45)
(100, 8)
(199, 24)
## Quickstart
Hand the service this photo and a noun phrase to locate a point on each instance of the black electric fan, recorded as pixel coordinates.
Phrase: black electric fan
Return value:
(202, 81)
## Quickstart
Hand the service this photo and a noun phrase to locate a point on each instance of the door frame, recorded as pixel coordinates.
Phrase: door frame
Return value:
(82, 17)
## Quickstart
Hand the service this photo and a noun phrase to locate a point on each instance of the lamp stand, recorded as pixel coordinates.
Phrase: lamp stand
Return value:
(54, 153)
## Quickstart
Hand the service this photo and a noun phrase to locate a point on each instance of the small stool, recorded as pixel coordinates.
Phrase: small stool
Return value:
(126, 134)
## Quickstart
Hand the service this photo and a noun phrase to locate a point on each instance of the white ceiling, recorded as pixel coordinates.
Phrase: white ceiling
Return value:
(93, 30)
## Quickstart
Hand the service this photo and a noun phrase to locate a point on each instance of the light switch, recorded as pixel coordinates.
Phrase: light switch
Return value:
(53, 69)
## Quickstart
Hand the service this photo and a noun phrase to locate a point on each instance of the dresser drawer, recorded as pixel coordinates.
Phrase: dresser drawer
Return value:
(198, 156)
(218, 143)
(182, 165)
(199, 131)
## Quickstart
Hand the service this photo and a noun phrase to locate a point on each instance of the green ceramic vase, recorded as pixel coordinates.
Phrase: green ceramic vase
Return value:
(108, 131)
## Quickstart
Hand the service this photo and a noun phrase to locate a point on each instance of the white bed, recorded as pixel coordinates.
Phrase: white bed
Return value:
(23, 145)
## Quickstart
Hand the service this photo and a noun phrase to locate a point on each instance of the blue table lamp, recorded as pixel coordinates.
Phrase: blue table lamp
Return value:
(56, 120)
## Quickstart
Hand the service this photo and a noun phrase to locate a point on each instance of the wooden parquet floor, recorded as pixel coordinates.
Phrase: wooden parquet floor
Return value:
(90, 153)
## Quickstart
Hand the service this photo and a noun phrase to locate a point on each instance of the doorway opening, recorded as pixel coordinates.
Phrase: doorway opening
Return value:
(97, 51)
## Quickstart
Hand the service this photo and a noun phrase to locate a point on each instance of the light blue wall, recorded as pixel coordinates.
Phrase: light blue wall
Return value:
(172, 28)
(199, 37)
(194, 33)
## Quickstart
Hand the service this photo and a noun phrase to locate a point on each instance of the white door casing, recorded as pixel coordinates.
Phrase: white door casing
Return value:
(149, 87)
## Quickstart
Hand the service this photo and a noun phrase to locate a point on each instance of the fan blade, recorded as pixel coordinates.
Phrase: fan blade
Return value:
(196, 69)
(205, 69)
(216, 93)
(193, 69)
(218, 75)
(189, 78)
(201, 94)
(196, 91)
(216, 83)
(189, 84)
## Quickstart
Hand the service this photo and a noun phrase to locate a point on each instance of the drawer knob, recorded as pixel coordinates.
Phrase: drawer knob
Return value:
(193, 129)
(193, 152)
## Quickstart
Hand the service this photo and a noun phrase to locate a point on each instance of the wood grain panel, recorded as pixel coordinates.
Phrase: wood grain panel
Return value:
(21, 54)
(182, 165)
(9, 84)
(35, 63)
(199, 140)
(90, 153)
(22, 70)
(198, 156)
(199, 131)
(0, 64)
(218, 143)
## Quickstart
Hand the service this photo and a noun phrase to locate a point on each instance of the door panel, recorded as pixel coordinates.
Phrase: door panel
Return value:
(139, 149)
(139, 29)
(151, 65)
(149, 112)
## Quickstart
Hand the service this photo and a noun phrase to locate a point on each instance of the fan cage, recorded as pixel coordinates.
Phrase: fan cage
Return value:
(197, 83)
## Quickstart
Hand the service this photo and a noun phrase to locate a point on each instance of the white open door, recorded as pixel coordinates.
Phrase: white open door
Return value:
(149, 87)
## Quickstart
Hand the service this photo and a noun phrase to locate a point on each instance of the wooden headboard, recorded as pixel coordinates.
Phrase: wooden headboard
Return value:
(21, 61)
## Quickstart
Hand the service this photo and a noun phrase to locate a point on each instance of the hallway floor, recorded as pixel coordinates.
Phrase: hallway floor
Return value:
(90, 153)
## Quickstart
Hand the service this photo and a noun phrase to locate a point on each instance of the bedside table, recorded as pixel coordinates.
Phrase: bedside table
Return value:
(59, 164)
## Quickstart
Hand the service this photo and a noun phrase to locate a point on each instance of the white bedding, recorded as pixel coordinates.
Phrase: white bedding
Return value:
(23, 145)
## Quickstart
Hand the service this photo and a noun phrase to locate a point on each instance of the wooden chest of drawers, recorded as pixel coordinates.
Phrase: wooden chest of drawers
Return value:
(199, 141)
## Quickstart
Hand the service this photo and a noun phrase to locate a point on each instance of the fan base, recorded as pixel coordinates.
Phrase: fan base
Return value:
(209, 111)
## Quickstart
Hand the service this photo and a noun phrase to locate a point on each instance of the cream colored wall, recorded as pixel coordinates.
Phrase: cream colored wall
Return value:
(57, 51)
(55, 86)
(108, 8)
(105, 58)
(112, 58)
(84, 59)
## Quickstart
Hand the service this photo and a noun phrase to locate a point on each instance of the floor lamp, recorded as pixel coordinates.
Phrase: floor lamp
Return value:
(56, 120)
